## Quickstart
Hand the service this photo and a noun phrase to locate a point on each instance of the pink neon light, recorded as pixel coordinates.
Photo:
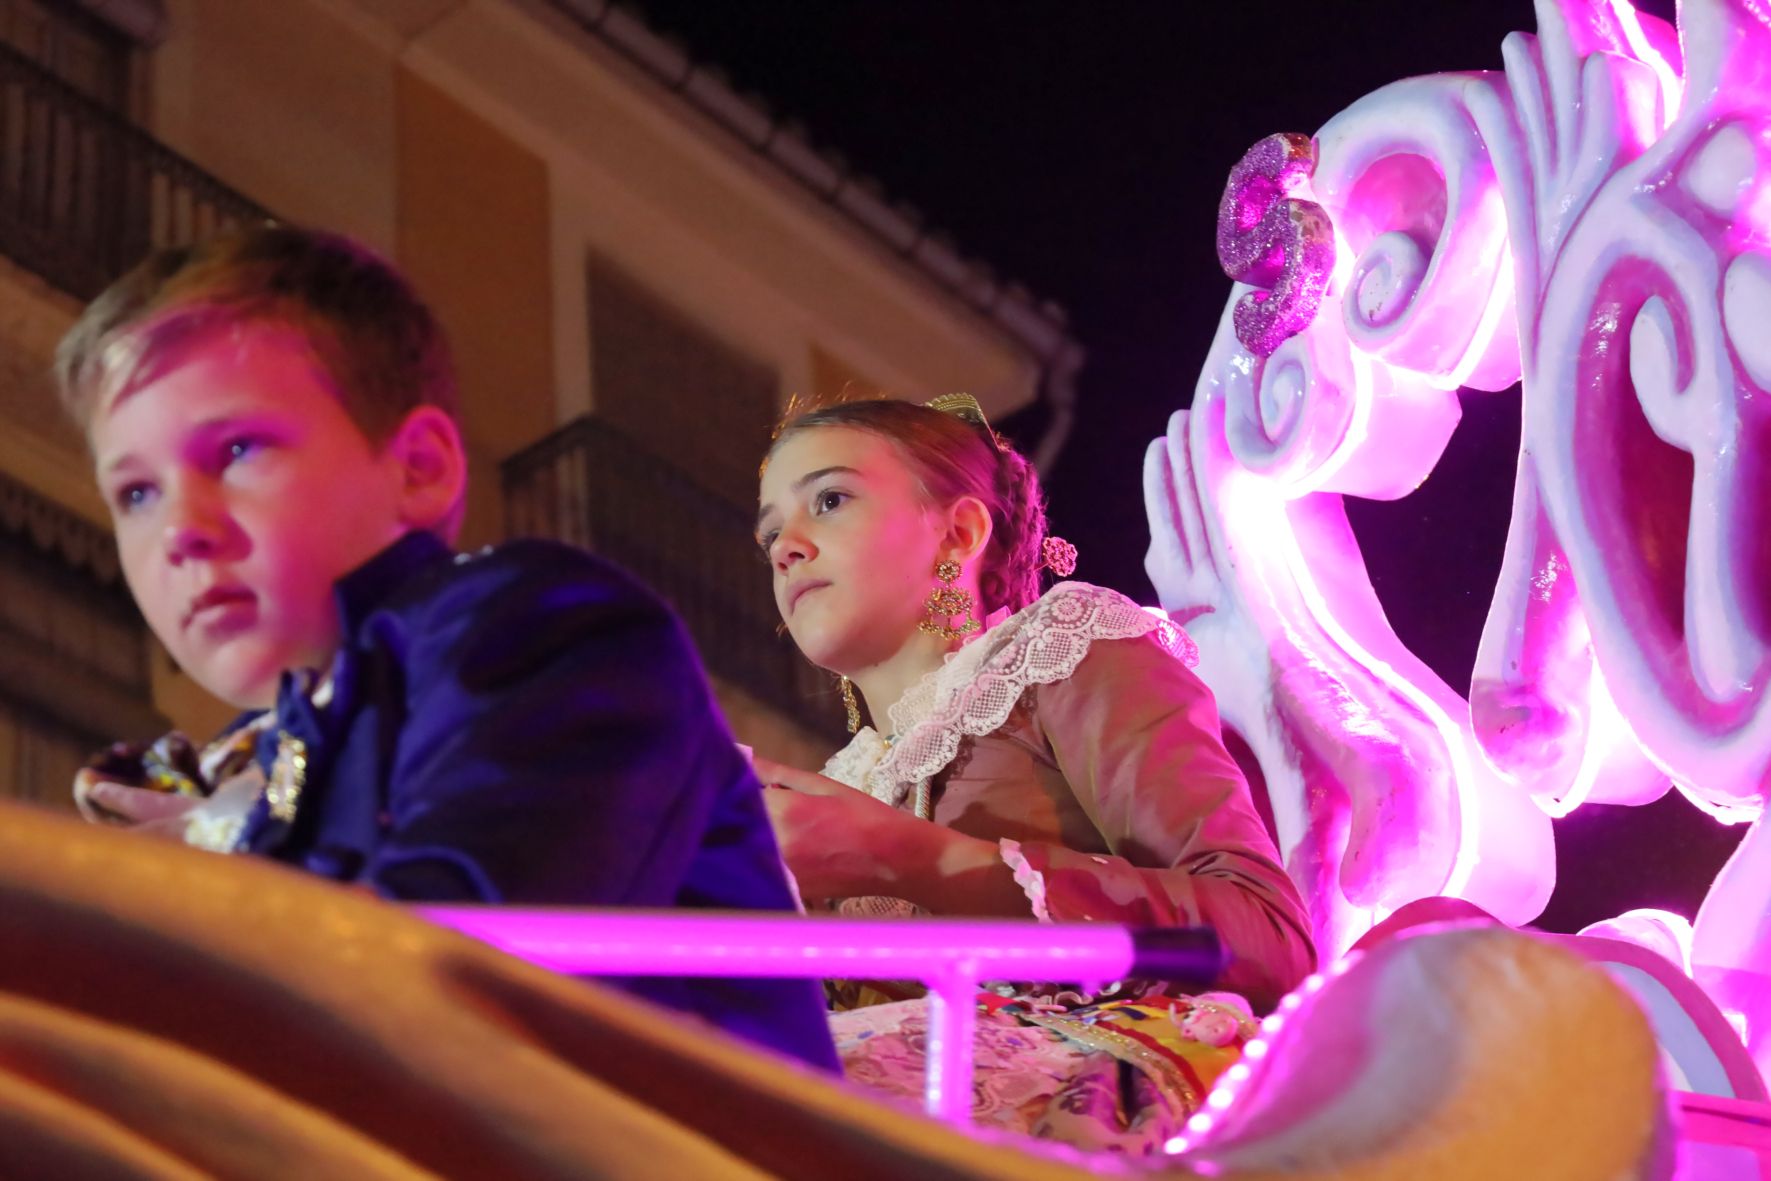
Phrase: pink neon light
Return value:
(1606, 730)
(1237, 1079)
(1359, 423)
(1711, 1119)
(1756, 225)
(1650, 928)
(1564, 189)
(1671, 85)
(1265, 500)
(948, 1050)
(1717, 810)
(683, 943)
(1358, 430)
(949, 955)
(1500, 298)
(1278, 530)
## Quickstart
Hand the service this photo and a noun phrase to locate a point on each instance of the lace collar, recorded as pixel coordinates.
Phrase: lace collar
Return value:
(974, 691)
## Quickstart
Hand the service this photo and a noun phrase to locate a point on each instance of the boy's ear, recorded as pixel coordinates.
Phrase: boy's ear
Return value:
(968, 530)
(432, 463)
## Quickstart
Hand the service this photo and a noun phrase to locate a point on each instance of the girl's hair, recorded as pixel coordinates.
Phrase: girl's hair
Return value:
(951, 458)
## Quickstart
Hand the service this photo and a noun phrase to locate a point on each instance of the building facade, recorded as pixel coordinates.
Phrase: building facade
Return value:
(637, 267)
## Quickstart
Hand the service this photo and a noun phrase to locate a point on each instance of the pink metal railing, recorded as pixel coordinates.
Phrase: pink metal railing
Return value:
(950, 956)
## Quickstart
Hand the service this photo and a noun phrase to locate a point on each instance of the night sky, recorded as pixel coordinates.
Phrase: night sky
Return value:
(1081, 150)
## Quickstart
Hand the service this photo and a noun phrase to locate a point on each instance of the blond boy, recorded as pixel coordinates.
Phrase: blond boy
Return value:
(272, 415)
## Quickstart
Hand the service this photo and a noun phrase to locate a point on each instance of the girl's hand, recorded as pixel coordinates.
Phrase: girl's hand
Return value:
(839, 842)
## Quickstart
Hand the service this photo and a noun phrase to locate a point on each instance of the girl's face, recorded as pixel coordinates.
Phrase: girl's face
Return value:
(852, 544)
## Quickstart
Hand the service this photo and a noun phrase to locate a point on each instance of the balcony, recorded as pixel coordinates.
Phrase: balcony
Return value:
(74, 673)
(591, 485)
(84, 195)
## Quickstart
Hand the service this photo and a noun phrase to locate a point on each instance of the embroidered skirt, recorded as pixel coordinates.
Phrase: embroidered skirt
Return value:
(1120, 1076)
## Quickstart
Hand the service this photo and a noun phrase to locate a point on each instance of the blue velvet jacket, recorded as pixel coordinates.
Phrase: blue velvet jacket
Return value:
(529, 725)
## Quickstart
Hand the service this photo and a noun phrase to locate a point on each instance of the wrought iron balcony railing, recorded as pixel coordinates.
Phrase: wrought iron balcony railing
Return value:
(74, 674)
(591, 485)
(84, 194)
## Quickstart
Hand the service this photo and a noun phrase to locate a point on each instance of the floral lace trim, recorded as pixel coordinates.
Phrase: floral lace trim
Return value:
(878, 906)
(853, 763)
(975, 690)
(1041, 645)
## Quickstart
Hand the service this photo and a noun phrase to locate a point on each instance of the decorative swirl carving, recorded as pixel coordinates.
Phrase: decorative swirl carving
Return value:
(1408, 177)
(1626, 212)
(1540, 707)
(1642, 415)
(1288, 413)
(1358, 403)
(1647, 377)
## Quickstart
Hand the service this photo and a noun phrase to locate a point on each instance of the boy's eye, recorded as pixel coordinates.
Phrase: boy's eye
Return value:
(828, 501)
(766, 542)
(132, 496)
(242, 447)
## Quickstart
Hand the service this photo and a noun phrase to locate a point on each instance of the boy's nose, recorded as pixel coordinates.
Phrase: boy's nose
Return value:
(195, 529)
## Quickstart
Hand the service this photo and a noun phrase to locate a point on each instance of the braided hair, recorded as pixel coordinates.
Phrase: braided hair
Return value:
(952, 458)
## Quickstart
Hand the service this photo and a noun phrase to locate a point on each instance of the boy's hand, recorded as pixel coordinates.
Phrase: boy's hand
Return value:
(161, 813)
(105, 801)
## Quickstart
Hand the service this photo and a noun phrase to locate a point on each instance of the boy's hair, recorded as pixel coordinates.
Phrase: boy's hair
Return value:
(377, 340)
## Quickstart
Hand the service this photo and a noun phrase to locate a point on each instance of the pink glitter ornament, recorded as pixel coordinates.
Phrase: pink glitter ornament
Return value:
(1058, 556)
(1270, 240)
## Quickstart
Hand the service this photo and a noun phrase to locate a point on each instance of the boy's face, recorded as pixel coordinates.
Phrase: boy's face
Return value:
(241, 491)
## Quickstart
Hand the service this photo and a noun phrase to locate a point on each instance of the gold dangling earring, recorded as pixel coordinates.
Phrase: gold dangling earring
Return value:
(849, 703)
(948, 602)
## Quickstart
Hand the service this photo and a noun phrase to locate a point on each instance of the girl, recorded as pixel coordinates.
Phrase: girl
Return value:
(1038, 755)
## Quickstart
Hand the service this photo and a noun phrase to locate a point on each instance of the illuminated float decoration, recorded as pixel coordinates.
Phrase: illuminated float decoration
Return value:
(1595, 220)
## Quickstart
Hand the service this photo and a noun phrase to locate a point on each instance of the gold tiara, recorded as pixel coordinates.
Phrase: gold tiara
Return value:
(965, 407)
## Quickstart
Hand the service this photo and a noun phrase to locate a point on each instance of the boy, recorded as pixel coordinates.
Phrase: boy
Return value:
(272, 416)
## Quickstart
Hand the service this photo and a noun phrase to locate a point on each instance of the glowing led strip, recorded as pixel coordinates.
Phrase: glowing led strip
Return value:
(1724, 813)
(1285, 540)
(1671, 85)
(1605, 730)
(1359, 426)
(1676, 925)
(1231, 1084)
(1499, 296)
(1358, 430)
